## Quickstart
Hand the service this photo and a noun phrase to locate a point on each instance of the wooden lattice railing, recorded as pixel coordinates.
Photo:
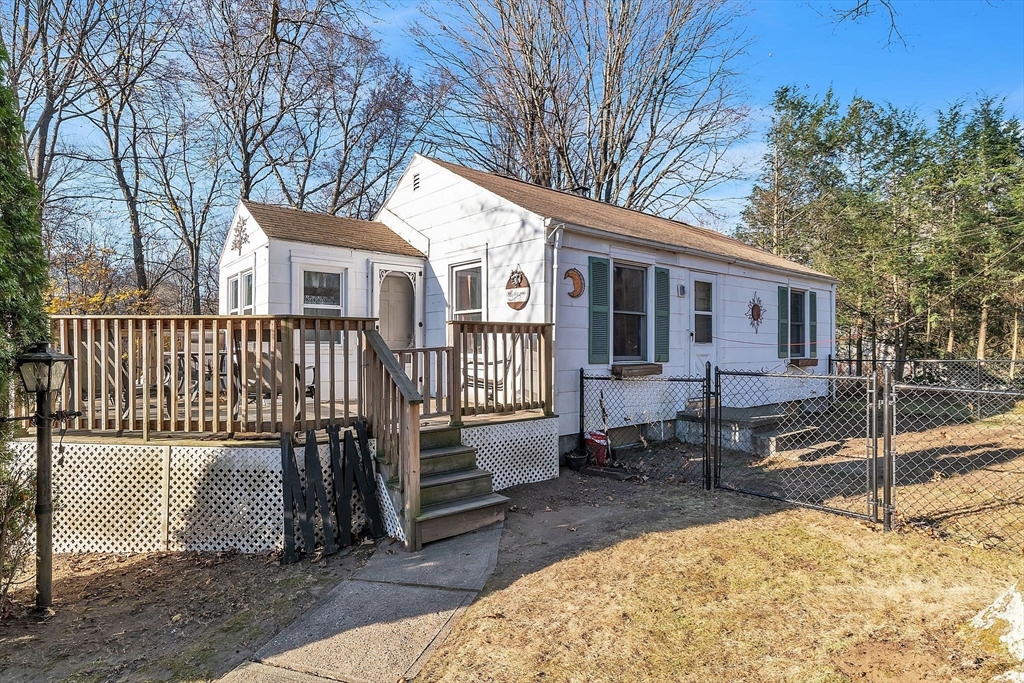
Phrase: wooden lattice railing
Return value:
(393, 410)
(231, 374)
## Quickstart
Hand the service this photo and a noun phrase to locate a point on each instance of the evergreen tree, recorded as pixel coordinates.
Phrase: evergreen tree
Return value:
(23, 267)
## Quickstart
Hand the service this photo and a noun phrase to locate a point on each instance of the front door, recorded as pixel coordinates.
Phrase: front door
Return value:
(704, 321)
(396, 311)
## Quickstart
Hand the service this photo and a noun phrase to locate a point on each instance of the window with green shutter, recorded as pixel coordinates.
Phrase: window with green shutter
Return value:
(661, 315)
(600, 310)
(783, 322)
(812, 323)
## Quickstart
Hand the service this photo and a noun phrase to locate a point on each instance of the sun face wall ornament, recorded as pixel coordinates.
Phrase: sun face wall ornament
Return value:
(576, 277)
(755, 312)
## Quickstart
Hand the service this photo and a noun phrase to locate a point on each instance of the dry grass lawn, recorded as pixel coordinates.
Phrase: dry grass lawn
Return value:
(679, 585)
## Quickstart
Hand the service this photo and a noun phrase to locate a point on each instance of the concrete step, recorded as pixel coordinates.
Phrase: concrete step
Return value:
(447, 459)
(775, 442)
(446, 487)
(440, 437)
(460, 516)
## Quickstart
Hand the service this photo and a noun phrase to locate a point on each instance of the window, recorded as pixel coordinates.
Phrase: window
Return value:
(629, 315)
(321, 293)
(240, 294)
(467, 297)
(703, 325)
(797, 324)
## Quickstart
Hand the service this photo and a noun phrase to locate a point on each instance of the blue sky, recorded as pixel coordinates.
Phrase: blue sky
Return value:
(954, 49)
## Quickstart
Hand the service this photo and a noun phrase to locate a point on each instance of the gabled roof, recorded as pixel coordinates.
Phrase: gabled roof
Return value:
(286, 223)
(595, 215)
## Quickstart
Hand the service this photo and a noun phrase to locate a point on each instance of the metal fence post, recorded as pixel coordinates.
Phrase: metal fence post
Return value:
(873, 439)
(887, 456)
(582, 409)
(717, 478)
(707, 426)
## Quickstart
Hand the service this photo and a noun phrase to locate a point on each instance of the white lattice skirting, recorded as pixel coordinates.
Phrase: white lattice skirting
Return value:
(129, 498)
(141, 498)
(516, 452)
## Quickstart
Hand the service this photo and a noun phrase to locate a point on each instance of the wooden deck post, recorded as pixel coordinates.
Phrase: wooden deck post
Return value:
(547, 362)
(455, 374)
(288, 403)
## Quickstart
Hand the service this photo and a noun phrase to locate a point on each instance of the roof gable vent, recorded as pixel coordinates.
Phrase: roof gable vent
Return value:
(415, 181)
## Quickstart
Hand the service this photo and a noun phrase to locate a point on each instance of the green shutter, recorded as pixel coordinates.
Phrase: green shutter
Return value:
(661, 314)
(812, 305)
(600, 310)
(783, 322)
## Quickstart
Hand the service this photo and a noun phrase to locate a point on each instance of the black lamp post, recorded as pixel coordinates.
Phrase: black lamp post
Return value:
(42, 372)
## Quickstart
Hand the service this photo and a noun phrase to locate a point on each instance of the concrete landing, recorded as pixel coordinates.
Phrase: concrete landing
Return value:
(384, 622)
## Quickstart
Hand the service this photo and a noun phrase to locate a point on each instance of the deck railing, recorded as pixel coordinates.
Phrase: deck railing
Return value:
(503, 367)
(233, 374)
(272, 374)
(393, 410)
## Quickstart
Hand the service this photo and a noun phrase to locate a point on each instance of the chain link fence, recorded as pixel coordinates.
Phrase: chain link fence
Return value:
(923, 454)
(964, 373)
(958, 462)
(805, 439)
(656, 426)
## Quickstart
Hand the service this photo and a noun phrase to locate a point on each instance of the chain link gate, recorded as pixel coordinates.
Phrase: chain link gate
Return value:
(957, 458)
(799, 438)
(636, 411)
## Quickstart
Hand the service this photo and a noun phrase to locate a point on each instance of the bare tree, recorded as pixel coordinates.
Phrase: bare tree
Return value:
(252, 63)
(50, 43)
(340, 150)
(188, 153)
(133, 40)
(635, 102)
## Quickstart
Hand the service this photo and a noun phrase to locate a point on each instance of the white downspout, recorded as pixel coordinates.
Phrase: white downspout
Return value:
(553, 238)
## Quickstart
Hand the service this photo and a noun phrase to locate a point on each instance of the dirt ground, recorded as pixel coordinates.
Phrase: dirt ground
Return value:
(602, 580)
(160, 616)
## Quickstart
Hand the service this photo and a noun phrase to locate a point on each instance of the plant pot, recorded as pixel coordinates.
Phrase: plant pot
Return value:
(575, 461)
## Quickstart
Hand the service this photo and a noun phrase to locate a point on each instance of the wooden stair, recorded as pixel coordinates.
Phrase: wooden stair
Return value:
(456, 496)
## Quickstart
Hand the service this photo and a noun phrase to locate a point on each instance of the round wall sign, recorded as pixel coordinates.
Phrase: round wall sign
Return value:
(517, 290)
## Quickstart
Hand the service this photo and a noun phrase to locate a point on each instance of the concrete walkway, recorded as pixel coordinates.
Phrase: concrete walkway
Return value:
(381, 625)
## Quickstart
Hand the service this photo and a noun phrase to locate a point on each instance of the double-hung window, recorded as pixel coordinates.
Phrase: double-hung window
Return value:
(467, 292)
(622, 297)
(798, 323)
(240, 294)
(321, 293)
(797, 328)
(629, 315)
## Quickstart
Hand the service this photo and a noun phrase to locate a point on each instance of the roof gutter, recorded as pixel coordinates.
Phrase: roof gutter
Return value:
(728, 260)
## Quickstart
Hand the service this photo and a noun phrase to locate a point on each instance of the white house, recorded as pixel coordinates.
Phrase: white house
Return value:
(627, 292)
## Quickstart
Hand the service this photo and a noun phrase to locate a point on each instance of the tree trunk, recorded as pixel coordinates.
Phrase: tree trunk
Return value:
(951, 339)
(1013, 348)
(982, 332)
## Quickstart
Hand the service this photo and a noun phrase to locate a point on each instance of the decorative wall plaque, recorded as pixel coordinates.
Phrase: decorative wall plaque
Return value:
(517, 290)
(578, 283)
(240, 237)
(755, 312)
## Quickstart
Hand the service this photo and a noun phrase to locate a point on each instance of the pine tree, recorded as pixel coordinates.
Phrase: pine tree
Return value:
(23, 267)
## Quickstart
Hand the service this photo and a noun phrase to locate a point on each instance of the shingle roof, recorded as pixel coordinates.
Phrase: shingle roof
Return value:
(589, 213)
(286, 223)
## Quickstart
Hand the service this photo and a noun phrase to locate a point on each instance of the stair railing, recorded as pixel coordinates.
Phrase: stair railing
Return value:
(393, 411)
